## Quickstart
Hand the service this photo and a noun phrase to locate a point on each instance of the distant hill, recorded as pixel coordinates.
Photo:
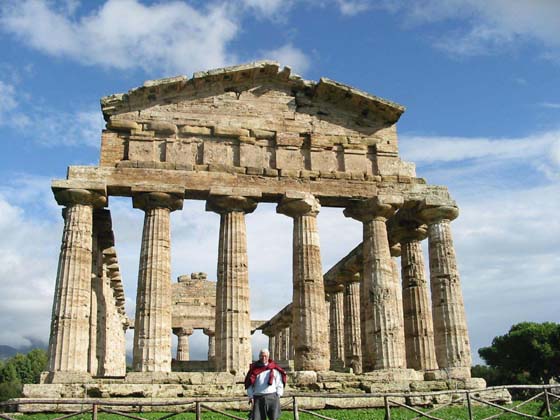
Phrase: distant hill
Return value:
(8, 351)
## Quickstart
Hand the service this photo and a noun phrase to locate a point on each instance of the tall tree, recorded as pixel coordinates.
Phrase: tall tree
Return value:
(528, 353)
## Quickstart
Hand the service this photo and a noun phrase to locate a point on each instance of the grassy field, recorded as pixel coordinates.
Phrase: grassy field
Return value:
(448, 413)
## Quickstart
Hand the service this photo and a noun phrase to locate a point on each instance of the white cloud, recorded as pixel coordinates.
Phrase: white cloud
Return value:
(290, 56)
(126, 34)
(27, 260)
(268, 8)
(550, 105)
(539, 151)
(7, 98)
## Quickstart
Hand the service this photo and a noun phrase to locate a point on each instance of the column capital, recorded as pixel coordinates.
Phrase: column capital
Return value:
(227, 203)
(431, 213)
(295, 204)
(209, 332)
(380, 207)
(72, 196)
(181, 331)
(146, 200)
(395, 250)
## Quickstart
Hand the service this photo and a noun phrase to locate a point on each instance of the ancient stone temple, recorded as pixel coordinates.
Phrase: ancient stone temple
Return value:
(237, 137)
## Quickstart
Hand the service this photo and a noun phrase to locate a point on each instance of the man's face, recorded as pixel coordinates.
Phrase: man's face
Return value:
(263, 357)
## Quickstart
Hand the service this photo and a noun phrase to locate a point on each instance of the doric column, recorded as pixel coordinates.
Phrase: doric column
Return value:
(395, 253)
(418, 325)
(270, 346)
(183, 335)
(70, 326)
(211, 344)
(308, 307)
(352, 333)
(285, 344)
(278, 345)
(336, 323)
(152, 332)
(233, 322)
(450, 325)
(381, 294)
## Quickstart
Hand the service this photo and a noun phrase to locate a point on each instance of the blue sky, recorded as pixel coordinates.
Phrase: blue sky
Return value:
(480, 80)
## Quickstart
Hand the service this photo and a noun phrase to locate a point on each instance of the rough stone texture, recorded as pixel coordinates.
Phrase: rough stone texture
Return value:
(69, 340)
(194, 302)
(418, 324)
(383, 331)
(152, 332)
(336, 323)
(233, 322)
(252, 134)
(183, 335)
(450, 324)
(108, 320)
(310, 328)
(352, 331)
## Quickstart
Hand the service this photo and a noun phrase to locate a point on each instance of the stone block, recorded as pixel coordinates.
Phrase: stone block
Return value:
(201, 168)
(122, 125)
(290, 173)
(252, 155)
(181, 152)
(254, 171)
(184, 166)
(289, 139)
(289, 159)
(303, 377)
(195, 130)
(162, 127)
(217, 152)
(309, 174)
(141, 150)
(225, 131)
(146, 164)
(262, 134)
(271, 172)
(324, 160)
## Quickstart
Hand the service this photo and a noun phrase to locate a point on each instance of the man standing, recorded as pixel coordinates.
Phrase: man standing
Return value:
(265, 385)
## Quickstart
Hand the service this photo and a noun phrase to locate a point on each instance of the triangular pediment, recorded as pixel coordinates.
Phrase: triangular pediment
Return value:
(251, 77)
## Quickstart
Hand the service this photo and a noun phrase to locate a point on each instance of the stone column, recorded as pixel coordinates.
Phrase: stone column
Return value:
(152, 332)
(286, 344)
(183, 335)
(352, 333)
(395, 253)
(418, 325)
(384, 332)
(450, 325)
(336, 322)
(278, 345)
(70, 325)
(271, 346)
(211, 344)
(308, 307)
(233, 322)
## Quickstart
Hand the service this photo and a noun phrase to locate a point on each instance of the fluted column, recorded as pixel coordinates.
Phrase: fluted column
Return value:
(278, 345)
(152, 332)
(308, 307)
(418, 325)
(381, 292)
(336, 323)
(352, 333)
(233, 322)
(183, 352)
(450, 325)
(211, 344)
(70, 325)
(395, 253)
(285, 344)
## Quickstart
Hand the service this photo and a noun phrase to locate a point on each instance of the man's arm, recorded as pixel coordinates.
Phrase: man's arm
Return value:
(279, 384)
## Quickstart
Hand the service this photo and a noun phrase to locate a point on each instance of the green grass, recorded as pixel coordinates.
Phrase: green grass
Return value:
(450, 413)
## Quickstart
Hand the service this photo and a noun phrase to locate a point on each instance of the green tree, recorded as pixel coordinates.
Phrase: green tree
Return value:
(528, 354)
(21, 369)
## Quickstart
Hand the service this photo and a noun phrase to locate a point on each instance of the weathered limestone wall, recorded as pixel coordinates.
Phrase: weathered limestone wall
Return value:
(253, 119)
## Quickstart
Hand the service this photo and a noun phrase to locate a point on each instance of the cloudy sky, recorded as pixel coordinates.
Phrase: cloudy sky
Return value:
(480, 80)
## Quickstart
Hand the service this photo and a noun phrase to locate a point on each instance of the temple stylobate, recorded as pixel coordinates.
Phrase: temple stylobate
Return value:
(236, 137)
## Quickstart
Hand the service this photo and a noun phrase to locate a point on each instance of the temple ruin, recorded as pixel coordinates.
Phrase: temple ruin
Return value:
(236, 137)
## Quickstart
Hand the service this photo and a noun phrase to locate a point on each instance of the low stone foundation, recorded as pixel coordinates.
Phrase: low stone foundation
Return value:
(314, 390)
